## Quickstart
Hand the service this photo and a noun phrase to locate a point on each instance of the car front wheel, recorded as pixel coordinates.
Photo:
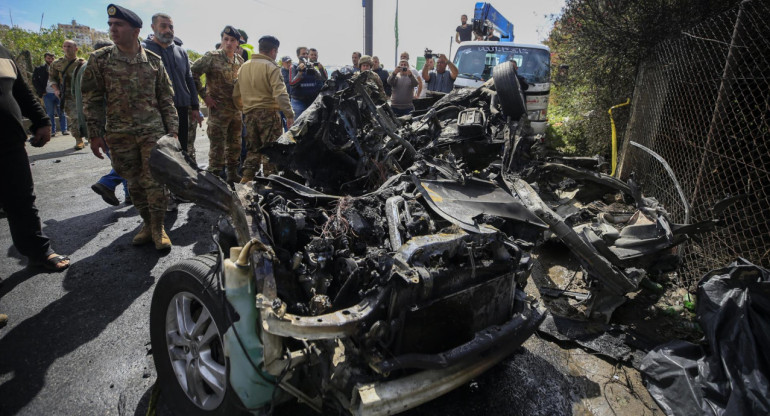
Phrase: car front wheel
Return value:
(186, 327)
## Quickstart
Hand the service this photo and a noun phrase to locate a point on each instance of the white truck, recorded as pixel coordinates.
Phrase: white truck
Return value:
(476, 59)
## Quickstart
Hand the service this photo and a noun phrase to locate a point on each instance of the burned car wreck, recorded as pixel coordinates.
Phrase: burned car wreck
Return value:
(384, 266)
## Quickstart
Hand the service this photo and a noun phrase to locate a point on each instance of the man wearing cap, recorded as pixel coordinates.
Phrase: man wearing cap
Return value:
(285, 69)
(365, 65)
(128, 103)
(60, 75)
(224, 130)
(261, 93)
(286, 74)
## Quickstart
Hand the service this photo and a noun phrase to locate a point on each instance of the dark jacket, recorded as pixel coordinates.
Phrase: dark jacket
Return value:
(40, 79)
(16, 100)
(286, 79)
(305, 85)
(384, 78)
(177, 65)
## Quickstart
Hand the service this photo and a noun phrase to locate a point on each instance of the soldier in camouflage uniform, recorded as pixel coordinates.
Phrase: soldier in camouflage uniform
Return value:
(128, 104)
(224, 123)
(261, 93)
(60, 75)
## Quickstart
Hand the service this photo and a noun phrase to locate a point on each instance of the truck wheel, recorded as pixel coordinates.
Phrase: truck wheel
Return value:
(186, 327)
(509, 91)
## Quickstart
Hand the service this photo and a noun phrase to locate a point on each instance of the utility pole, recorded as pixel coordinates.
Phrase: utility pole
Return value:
(368, 25)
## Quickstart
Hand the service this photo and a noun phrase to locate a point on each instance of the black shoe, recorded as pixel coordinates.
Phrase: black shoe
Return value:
(107, 194)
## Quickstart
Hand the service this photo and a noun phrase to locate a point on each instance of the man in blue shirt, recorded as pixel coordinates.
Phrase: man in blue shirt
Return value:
(440, 79)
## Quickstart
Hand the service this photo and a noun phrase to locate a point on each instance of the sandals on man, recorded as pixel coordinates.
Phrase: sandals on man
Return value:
(51, 263)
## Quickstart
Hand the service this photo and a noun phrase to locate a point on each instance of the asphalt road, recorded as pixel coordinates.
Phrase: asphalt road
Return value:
(78, 342)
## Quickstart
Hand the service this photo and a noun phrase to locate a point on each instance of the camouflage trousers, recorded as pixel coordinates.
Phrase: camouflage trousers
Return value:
(225, 137)
(192, 130)
(71, 111)
(130, 158)
(263, 126)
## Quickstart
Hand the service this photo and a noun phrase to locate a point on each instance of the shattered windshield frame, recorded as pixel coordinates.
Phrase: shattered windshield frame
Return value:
(476, 62)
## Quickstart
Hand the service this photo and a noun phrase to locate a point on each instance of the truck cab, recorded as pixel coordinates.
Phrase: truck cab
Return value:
(475, 60)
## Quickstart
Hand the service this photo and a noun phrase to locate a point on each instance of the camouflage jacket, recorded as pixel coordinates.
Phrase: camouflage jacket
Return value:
(127, 94)
(221, 74)
(57, 75)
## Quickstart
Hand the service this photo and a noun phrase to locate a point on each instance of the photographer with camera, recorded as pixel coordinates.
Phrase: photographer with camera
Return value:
(306, 80)
(439, 79)
(403, 82)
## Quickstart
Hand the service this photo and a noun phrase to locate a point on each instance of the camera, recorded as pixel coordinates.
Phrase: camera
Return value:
(310, 66)
(429, 54)
(404, 69)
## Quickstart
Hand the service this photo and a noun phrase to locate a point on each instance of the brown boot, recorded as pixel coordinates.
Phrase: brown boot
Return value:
(144, 235)
(232, 175)
(248, 175)
(159, 236)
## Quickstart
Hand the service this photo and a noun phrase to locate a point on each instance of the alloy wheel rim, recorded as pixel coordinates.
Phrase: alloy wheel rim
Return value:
(195, 350)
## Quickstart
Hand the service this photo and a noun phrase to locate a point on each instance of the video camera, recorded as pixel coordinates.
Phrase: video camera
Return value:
(429, 54)
(309, 66)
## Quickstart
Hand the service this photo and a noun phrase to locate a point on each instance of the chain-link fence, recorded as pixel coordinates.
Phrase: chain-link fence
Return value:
(702, 102)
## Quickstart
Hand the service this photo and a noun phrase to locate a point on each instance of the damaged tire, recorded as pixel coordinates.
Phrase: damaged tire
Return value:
(186, 328)
(509, 91)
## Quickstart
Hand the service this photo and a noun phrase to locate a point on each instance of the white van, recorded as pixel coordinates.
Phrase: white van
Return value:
(475, 61)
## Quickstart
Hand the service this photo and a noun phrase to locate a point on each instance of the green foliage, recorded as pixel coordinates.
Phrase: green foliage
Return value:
(603, 42)
(37, 43)
(194, 56)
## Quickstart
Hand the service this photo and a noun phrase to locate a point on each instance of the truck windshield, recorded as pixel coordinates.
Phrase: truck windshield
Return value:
(477, 61)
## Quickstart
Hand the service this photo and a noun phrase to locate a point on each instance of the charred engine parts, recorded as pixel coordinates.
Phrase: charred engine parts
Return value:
(399, 244)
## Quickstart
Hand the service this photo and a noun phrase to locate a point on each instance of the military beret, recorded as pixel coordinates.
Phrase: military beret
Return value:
(272, 40)
(232, 32)
(119, 12)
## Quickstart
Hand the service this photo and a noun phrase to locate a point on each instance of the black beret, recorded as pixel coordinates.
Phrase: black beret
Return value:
(119, 12)
(231, 31)
(272, 40)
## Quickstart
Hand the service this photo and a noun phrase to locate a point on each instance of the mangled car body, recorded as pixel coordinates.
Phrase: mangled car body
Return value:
(384, 266)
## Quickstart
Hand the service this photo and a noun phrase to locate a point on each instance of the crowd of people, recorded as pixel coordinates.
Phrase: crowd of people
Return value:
(251, 95)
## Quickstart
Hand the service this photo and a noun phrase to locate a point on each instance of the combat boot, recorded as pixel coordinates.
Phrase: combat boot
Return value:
(159, 236)
(248, 175)
(144, 235)
(232, 175)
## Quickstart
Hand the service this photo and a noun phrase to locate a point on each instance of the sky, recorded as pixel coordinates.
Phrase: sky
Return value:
(334, 27)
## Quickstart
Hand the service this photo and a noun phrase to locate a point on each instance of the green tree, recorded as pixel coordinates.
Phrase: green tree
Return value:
(603, 42)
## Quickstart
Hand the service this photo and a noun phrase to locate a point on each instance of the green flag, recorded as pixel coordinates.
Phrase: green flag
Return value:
(396, 28)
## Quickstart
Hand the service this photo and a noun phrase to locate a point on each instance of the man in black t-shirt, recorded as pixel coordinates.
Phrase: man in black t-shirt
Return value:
(464, 32)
